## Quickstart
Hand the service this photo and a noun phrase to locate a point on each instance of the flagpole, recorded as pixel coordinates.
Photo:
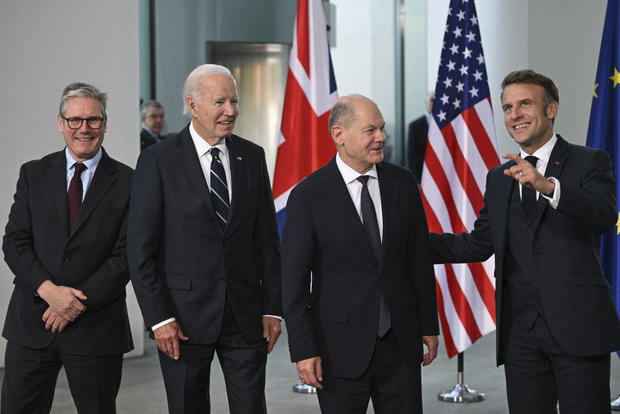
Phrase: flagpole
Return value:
(461, 393)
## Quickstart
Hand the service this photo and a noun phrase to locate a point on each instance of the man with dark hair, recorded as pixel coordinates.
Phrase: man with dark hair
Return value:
(544, 212)
(152, 113)
(65, 244)
(357, 283)
(204, 251)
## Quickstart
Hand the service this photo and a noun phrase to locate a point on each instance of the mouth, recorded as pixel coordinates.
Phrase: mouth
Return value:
(84, 139)
(522, 125)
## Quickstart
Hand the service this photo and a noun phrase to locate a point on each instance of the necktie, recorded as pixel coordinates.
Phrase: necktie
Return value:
(528, 194)
(74, 195)
(371, 226)
(219, 189)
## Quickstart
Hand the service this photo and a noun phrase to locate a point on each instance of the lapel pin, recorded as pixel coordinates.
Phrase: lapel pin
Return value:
(239, 157)
(557, 163)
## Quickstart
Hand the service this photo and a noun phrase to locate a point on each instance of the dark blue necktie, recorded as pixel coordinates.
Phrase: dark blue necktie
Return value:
(528, 194)
(219, 189)
(75, 192)
(371, 225)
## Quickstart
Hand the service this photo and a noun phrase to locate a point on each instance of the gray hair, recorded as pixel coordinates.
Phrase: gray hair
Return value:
(82, 90)
(192, 83)
(149, 104)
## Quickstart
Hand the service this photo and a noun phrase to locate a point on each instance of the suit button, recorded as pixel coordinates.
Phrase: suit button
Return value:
(67, 260)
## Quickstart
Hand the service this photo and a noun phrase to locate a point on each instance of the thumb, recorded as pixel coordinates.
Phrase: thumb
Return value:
(79, 294)
(180, 335)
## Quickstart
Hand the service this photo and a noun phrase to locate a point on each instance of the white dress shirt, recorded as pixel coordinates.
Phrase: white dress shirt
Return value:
(354, 186)
(543, 154)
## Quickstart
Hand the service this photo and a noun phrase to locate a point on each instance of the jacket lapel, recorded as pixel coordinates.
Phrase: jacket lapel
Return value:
(57, 186)
(390, 195)
(236, 159)
(191, 165)
(504, 189)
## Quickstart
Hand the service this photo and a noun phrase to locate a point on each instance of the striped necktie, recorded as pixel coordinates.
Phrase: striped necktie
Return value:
(219, 189)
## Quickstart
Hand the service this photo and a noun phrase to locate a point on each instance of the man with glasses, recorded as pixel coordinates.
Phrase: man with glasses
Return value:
(65, 244)
(152, 124)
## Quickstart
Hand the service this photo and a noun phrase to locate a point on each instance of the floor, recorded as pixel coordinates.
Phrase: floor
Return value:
(142, 390)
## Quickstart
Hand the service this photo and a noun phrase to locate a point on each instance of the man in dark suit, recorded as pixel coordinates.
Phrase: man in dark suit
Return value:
(358, 285)
(204, 251)
(544, 212)
(417, 137)
(152, 124)
(65, 243)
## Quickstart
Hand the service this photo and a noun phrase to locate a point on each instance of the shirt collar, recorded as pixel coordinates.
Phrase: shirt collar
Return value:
(154, 135)
(90, 164)
(543, 153)
(349, 174)
(202, 146)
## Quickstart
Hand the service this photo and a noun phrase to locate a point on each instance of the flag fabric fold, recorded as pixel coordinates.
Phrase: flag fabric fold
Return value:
(461, 149)
(603, 130)
(305, 143)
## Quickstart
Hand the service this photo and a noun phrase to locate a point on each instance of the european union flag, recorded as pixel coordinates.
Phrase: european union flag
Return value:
(603, 130)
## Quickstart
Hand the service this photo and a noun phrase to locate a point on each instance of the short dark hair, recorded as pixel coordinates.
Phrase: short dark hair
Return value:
(529, 76)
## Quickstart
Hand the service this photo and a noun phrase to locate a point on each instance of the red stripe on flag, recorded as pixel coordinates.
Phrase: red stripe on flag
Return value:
(484, 286)
(461, 304)
(481, 138)
(439, 176)
(466, 177)
(445, 327)
(307, 144)
(303, 35)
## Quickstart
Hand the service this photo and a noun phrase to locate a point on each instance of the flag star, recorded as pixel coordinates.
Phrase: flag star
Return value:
(471, 37)
(454, 49)
(456, 103)
(461, 15)
(457, 32)
(441, 115)
(466, 53)
(465, 1)
(444, 99)
(450, 11)
(450, 66)
(478, 75)
(480, 59)
(473, 92)
(474, 20)
(463, 69)
(447, 28)
(447, 82)
(595, 86)
(615, 77)
(459, 86)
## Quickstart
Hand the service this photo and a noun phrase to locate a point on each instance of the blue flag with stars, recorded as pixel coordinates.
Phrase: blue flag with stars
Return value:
(603, 131)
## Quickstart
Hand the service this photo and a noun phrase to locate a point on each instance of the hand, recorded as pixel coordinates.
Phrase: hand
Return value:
(432, 343)
(310, 372)
(54, 321)
(271, 330)
(527, 175)
(167, 338)
(63, 300)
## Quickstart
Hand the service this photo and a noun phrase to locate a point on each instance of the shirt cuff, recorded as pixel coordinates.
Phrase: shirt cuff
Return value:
(274, 316)
(554, 200)
(162, 323)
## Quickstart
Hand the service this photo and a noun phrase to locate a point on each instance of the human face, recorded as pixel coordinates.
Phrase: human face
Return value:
(215, 109)
(154, 119)
(527, 120)
(360, 145)
(83, 143)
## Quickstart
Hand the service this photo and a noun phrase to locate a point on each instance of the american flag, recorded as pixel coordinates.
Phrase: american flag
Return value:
(305, 143)
(461, 149)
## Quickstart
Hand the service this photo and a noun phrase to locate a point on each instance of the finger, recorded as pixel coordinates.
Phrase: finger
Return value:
(55, 326)
(319, 370)
(271, 343)
(62, 327)
(46, 314)
(79, 294)
(176, 351)
(515, 157)
(48, 323)
(181, 336)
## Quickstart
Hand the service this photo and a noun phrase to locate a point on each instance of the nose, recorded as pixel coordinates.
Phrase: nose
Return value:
(84, 127)
(230, 109)
(380, 135)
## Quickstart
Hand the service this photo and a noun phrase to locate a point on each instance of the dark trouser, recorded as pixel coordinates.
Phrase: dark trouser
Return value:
(539, 373)
(30, 380)
(243, 365)
(393, 385)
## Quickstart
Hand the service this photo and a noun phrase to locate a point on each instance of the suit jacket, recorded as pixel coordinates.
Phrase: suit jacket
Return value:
(323, 235)
(182, 264)
(92, 258)
(575, 296)
(147, 139)
(416, 145)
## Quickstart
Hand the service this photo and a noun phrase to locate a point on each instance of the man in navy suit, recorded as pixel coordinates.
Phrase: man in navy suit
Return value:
(544, 212)
(358, 284)
(204, 251)
(152, 123)
(65, 243)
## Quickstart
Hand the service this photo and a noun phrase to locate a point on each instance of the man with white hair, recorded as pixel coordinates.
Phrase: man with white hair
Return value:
(204, 251)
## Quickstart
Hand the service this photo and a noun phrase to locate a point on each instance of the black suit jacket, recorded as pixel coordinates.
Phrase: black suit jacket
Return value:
(146, 139)
(92, 258)
(416, 145)
(323, 234)
(575, 296)
(182, 264)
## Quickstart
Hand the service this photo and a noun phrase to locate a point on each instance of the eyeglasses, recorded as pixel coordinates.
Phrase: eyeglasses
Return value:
(94, 122)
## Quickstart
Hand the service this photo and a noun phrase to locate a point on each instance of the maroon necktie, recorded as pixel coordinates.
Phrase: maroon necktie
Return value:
(74, 195)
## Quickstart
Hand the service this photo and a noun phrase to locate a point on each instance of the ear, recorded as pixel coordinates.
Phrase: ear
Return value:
(105, 124)
(337, 133)
(60, 128)
(552, 110)
(191, 105)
